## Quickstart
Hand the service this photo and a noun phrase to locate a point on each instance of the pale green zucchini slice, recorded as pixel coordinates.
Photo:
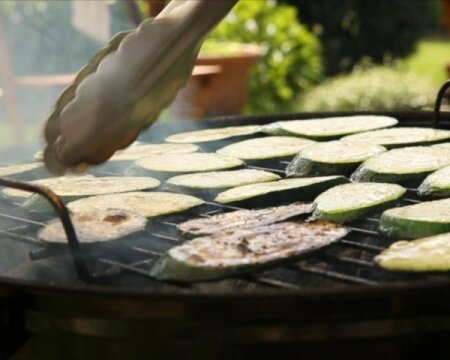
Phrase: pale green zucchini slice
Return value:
(164, 166)
(419, 220)
(240, 251)
(94, 226)
(331, 158)
(437, 184)
(209, 184)
(207, 135)
(443, 145)
(136, 152)
(29, 171)
(279, 192)
(21, 196)
(426, 254)
(148, 204)
(400, 136)
(408, 165)
(268, 147)
(73, 188)
(349, 202)
(243, 219)
(330, 128)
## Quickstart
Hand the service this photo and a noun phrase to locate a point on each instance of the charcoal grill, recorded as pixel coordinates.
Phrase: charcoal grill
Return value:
(86, 301)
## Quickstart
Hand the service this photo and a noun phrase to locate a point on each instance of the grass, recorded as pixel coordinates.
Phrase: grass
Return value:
(430, 59)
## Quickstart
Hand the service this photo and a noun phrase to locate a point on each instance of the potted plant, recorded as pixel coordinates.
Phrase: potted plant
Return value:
(219, 85)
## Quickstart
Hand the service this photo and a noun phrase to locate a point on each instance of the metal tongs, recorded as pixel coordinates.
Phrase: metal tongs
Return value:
(127, 84)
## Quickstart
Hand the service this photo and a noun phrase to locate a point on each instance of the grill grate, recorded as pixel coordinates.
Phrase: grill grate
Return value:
(347, 263)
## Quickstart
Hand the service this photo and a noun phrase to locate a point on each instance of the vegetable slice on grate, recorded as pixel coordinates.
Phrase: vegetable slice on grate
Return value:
(268, 147)
(206, 135)
(279, 192)
(437, 184)
(163, 166)
(331, 158)
(405, 166)
(415, 221)
(426, 254)
(349, 202)
(25, 171)
(92, 226)
(243, 219)
(148, 204)
(211, 183)
(400, 136)
(330, 128)
(136, 152)
(74, 188)
(240, 251)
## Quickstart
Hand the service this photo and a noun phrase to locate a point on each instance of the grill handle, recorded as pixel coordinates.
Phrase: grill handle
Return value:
(438, 103)
(63, 214)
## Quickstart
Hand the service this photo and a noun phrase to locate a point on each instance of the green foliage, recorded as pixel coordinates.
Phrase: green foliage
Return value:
(352, 29)
(291, 62)
(376, 88)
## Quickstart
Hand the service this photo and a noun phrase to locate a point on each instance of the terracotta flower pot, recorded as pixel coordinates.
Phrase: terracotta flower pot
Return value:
(223, 93)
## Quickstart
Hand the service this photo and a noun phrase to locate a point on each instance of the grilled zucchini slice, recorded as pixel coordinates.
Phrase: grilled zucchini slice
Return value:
(443, 145)
(404, 166)
(348, 202)
(419, 220)
(331, 158)
(209, 184)
(93, 226)
(29, 171)
(400, 136)
(165, 166)
(279, 192)
(241, 251)
(329, 128)
(73, 188)
(207, 135)
(268, 147)
(148, 204)
(243, 219)
(20, 195)
(437, 184)
(136, 152)
(426, 254)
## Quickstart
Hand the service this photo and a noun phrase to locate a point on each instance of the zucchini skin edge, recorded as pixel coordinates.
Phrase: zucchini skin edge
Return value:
(393, 226)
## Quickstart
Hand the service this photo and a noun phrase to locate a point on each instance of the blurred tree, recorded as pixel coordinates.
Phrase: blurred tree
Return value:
(351, 30)
(291, 62)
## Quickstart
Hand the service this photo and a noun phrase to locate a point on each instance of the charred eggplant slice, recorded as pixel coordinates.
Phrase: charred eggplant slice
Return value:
(426, 254)
(240, 251)
(243, 219)
(93, 226)
(279, 192)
